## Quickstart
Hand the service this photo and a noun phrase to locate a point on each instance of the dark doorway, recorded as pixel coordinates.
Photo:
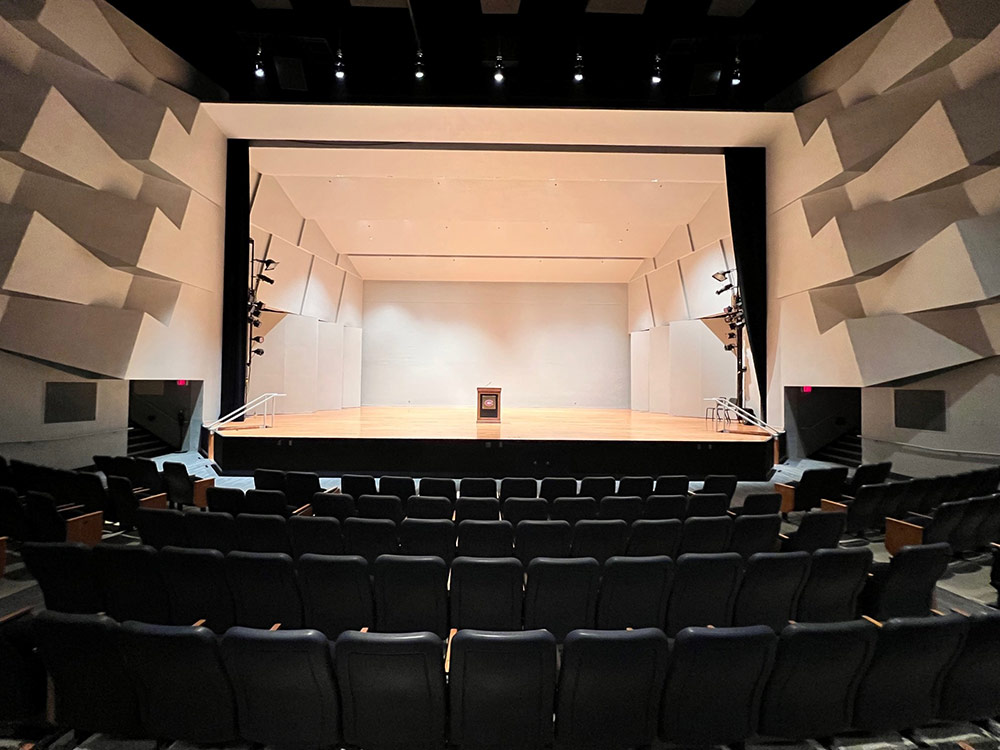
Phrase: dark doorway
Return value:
(817, 416)
(164, 416)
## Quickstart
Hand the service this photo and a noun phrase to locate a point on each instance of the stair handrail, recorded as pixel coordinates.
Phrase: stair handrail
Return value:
(745, 415)
(263, 399)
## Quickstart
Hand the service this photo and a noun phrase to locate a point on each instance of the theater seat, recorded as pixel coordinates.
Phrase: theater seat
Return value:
(22, 679)
(634, 592)
(485, 539)
(902, 687)
(904, 587)
(671, 484)
(714, 687)
(819, 530)
(752, 534)
(380, 506)
(573, 509)
(336, 593)
(392, 689)
(759, 504)
(561, 594)
(971, 690)
(665, 507)
(357, 485)
(401, 487)
(314, 535)
(264, 588)
(704, 535)
(487, 593)
(609, 688)
(211, 530)
(428, 536)
(542, 539)
(300, 486)
(284, 687)
(770, 588)
(334, 505)
(260, 533)
(161, 528)
(438, 487)
(704, 591)
(597, 486)
(197, 587)
(411, 594)
(501, 689)
(836, 579)
(553, 487)
(477, 487)
(132, 584)
(701, 505)
(627, 508)
(93, 689)
(184, 691)
(269, 479)
(66, 574)
(640, 486)
(517, 509)
(477, 509)
(599, 539)
(815, 680)
(719, 484)
(422, 506)
(266, 503)
(654, 538)
(369, 537)
(518, 487)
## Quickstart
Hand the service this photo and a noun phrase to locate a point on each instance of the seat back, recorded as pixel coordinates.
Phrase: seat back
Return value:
(902, 687)
(561, 594)
(357, 485)
(817, 531)
(868, 474)
(44, 522)
(196, 584)
(132, 584)
(389, 507)
(210, 530)
(719, 484)
(265, 503)
(817, 671)
(627, 508)
(13, 521)
(752, 534)
(284, 687)
(148, 475)
(401, 487)
(260, 533)
(265, 589)
(269, 479)
(706, 534)
(836, 579)
(759, 504)
(906, 587)
(518, 487)
(428, 536)
(597, 486)
(314, 535)
(300, 486)
(66, 574)
(977, 513)
(867, 510)
(553, 487)
(819, 484)
(654, 538)
(392, 689)
(487, 593)
(177, 483)
(477, 509)
(704, 591)
(634, 592)
(477, 487)
(334, 505)
(336, 593)
(573, 509)
(714, 686)
(664, 507)
(610, 685)
(161, 528)
(635, 486)
(542, 539)
(944, 523)
(671, 484)
(224, 500)
(501, 688)
(422, 506)
(411, 594)
(705, 504)
(184, 691)
(517, 509)
(124, 502)
(971, 689)
(438, 487)
(74, 649)
(369, 537)
(770, 588)
(989, 531)
(599, 539)
(485, 539)
(88, 490)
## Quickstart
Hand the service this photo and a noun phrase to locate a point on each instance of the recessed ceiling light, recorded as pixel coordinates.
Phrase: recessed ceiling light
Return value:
(498, 70)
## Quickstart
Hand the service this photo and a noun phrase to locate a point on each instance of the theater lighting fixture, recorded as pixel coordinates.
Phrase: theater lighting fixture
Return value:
(258, 339)
(498, 70)
(578, 68)
(721, 275)
(656, 73)
(265, 279)
(258, 352)
(338, 67)
(726, 288)
(256, 307)
(255, 322)
(418, 72)
(267, 263)
(258, 65)
(736, 73)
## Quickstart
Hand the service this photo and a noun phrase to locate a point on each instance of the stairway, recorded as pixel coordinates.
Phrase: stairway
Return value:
(142, 442)
(845, 450)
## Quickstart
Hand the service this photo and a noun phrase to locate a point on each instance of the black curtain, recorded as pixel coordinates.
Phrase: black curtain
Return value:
(235, 275)
(746, 187)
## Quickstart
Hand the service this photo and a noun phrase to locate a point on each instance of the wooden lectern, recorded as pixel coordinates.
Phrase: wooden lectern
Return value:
(488, 405)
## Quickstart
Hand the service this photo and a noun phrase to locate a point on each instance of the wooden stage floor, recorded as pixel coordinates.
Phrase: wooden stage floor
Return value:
(459, 423)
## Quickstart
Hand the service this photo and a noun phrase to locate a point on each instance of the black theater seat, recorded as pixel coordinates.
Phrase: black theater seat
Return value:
(542, 539)
(300, 486)
(752, 534)
(971, 689)
(334, 505)
(905, 586)
(477, 509)
(161, 528)
(707, 504)
(428, 536)
(627, 508)
(411, 594)
(561, 594)
(314, 534)
(665, 507)
(599, 539)
(836, 579)
(264, 588)
(261, 533)
(357, 485)
(269, 479)
(719, 484)
(66, 574)
(401, 487)
(132, 584)
(388, 507)
(336, 593)
(759, 504)
(820, 530)
(704, 591)
(708, 534)
(635, 486)
(266, 503)
(485, 539)
(487, 593)
(211, 530)
(438, 487)
(770, 588)
(422, 506)
(553, 487)
(224, 500)
(597, 486)
(518, 487)
(477, 487)
(197, 587)
(671, 484)
(634, 592)
(573, 509)
(517, 509)
(648, 537)
(369, 537)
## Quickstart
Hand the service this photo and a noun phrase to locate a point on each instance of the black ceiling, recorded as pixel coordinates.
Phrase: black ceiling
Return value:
(777, 41)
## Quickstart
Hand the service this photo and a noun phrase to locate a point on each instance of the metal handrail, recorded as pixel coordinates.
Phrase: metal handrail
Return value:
(742, 413)
(263, 399)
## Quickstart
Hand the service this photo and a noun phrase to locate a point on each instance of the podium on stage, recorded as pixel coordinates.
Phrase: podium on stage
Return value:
(488, 405)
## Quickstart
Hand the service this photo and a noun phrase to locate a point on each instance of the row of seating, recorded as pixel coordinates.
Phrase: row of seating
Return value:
(967, 525)
(36, 517)
(612, 689)
(331, 593)
(369, 538)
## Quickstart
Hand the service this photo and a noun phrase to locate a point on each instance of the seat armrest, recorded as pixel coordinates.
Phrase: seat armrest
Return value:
(69, 508)
(783, 537)
(872, 620)
(199, 491)
(447, 654)
(3, 555)
(276, 626)
(15, 615)
(198, 623)
(832, 505)
(787, 493)
(899, 534)
(921, 515)
(305, 510)
(86, 528)
(159, 502)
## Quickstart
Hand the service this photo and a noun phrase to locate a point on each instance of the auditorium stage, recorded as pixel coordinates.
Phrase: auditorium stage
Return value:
(448, 441)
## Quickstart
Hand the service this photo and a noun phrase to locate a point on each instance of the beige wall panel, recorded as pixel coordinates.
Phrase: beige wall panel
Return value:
(267, 371)
(445, 268)
(326, 282)
(352, 368)
(193, 254)
(207, 173)
(330, 366)
(65, 445)
(640, 314)
(711, 223)
(666, 293)
(660, 373)
(678, 245)
(345, 264)
(301, 360)
(983, 192)
(316, 242)
(155, 297)
(290, 277)
(794, 170)
(16, 48)
(639, 370)
(809, 357)
(982, 61)
(351, 302)
(274, 212)
(699, 368)
(699, 286)
(645, 266)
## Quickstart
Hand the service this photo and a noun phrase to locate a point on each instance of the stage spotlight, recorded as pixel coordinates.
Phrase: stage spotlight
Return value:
(258, 65)
(255, 322)
(498, 71)
(258, 352)
(656, 71)
(721, 275)
(338, 67)
(267, 263)
(265, 279)
(255, 307)
(730, 347)
(418, 72)
(258, 339)
(726, 288)
(736, 73)
(578, 68)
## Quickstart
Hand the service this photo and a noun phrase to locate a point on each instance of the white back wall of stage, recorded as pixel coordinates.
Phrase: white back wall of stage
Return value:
(352, 368)
(546, 345)
(639, 370)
